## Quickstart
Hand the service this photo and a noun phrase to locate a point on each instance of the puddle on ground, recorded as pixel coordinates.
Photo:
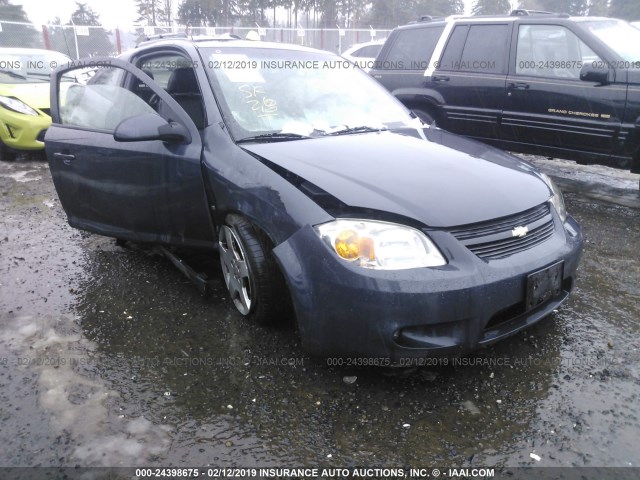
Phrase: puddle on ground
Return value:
(79, 406)
(156, 374)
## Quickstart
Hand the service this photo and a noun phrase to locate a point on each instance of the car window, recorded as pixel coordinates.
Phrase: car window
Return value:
(453, 51)
(551, 51)
(177, 76)
(412, 49)
(476, 48)
(485, 49)
(370, 51)
(102, 103)
(160, 67)
(108, 76)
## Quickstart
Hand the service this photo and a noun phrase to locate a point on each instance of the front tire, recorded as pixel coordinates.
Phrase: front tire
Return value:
(250, 273)
(7, 154)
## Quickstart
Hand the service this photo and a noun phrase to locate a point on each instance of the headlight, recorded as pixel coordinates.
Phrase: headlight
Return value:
(17, 106)
(380, 245)
(557, 199)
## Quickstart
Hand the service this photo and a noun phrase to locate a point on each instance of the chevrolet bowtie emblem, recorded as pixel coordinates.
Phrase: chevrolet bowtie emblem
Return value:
(520, 231)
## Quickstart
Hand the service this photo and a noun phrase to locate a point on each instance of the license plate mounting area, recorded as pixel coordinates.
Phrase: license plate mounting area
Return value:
(544, 285)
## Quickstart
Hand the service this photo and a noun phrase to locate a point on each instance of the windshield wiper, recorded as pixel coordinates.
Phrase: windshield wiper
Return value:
(45, 77)
(360, 129)
(13, 74)
(273, 137)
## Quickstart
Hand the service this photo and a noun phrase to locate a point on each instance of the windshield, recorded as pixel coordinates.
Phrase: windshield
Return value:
(29, 67)
(294, 94)
(620, 36)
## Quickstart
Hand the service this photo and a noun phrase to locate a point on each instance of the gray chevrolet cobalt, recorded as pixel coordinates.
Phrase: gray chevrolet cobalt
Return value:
(320, 194)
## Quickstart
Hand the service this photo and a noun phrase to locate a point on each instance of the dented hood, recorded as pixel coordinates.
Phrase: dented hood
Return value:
(429, 175)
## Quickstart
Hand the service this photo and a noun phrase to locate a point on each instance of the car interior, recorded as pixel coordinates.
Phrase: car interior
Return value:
(183, 88)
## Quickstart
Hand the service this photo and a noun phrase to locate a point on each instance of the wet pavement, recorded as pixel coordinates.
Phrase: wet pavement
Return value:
(109, 356)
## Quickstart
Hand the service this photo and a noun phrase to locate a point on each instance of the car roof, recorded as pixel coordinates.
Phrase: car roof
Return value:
(253, 44)
(515, 15)
(594, 19)
(357, 46)
(225, 42)
(366, 44)
(228, 44)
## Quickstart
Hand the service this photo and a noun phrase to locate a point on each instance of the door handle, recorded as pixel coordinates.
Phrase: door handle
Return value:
(439, 78)
(518, 85)
(66, 158)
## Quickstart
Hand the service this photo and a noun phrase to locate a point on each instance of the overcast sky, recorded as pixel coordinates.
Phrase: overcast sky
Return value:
(113, 13)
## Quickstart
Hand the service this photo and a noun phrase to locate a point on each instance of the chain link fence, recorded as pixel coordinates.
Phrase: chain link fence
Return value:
(78, 41)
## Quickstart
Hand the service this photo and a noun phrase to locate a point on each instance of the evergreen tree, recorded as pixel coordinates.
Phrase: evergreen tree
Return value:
(17, 35)
(353, 12)
(61, 37)
(626, 9)
(200, 13)
(598, 8)
(391, 13)
(195, 13)
(252, 12)
(154, 12)
(491, 7)
(148, 11)
(167, 10)
(442, 7)
(98, 41)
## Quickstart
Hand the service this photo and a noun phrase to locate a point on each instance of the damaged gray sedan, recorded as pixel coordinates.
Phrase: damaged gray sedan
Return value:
(319, 191)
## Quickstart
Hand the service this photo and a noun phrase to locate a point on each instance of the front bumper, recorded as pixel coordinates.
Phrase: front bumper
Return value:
(349, 311)
(23, 132)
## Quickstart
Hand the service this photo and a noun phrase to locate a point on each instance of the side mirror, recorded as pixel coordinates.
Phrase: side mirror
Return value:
(590, 73)
(150, 126)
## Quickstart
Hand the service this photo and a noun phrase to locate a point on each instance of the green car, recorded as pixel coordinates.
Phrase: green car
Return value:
(24, 98)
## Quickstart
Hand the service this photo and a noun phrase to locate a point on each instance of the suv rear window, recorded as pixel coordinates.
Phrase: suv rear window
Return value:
(411, 49)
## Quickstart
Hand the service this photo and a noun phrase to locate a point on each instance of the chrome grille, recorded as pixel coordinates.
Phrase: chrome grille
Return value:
(494, 239)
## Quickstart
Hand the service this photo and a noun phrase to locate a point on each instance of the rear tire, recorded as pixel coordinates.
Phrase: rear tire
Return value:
(250, 273)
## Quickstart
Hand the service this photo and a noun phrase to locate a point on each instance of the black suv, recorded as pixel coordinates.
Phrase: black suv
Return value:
(532, 82)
